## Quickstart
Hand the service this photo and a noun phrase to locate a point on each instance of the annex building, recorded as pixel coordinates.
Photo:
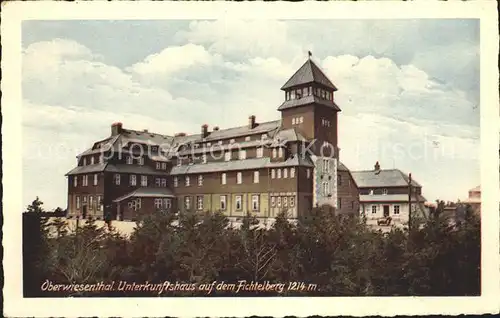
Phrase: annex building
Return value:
(290, 164)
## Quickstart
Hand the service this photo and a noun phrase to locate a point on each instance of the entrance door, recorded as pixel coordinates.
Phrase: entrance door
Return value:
(84, 212)
(386, 211)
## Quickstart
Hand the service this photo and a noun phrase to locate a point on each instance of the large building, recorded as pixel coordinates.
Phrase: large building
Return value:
(384, 193)
(290, 164)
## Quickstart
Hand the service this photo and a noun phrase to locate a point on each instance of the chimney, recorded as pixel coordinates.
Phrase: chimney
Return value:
(145, 130)
(251, 122)
(216, 128)
(116, 129)
(204, 131)
(377, 166)
(181, 134)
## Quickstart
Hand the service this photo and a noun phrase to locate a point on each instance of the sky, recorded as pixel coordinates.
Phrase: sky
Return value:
(408, 89)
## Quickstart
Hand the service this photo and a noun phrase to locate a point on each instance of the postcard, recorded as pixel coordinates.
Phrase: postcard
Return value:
(302, 159)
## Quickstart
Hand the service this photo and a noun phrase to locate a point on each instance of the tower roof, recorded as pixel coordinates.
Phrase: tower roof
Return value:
(309, 72)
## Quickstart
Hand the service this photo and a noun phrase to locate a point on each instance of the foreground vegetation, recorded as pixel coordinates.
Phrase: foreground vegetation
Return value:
(337, 253)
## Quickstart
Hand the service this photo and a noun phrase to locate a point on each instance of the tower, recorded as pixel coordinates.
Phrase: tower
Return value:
(309, 107)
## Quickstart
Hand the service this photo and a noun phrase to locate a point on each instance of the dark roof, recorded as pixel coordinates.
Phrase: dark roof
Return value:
(134, 169)
(307, 100)
(147, 193)
(342, 167)
(309, 73)
(87, 169)
(246, 164)
(382, 178)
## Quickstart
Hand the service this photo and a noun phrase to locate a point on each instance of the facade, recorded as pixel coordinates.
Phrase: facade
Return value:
(474, 199)
(291, 164)
(384, 193)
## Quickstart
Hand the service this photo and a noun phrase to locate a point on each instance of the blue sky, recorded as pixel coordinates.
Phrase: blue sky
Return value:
(408, 89)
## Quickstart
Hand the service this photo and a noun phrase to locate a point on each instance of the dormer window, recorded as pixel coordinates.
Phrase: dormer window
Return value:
(247, 138)
(231, 141)
(384, 192)
(129, 160)
(305, 91)
(92, 160)
(158, 165)
(141, 161)
(274, 153)
(293, 95)
(371, 192)
(164, 165)
(280, 152)
(298, 94)
(263, 136)
(84, 161)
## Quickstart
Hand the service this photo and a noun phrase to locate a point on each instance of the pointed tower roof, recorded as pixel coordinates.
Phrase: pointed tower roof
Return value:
(309, 72)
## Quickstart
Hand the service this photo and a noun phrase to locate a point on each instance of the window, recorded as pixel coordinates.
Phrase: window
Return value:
(191, 160)
(293, 121)
(238, 178)
(136, 204)
(274, 153)
(247, 138)
(199, 202)
(179, 162)
(144, 181)
(223, 178)
(292, 202)
(339, 180)
(157, 182)
(84, 161)
(223, 202)
(396, 209)
(371, 192)
(292, 172)
(84, 200)
(133, 180)
(176, 182)
(243, 154)
(325, 190)
(200, 180)
(339, 203)
(92, 160)
(227, 156)
(141, 161)
(187, 203)
(220, 142)
(298, 93)
(164, 182)
(280, 152)
(255, 203)
(384, 191)
(273, 202)
(231, 141)
(99, 203)
(129, 160)
(308, 173)
(168, 203)
(285, 201)
(273, 174)
(164, 165)
(325, 165)
(260, 152)
(285, 173)
(301, 119)
(158, 165)
(279, 173)
(293, 95)
(263, 136)
(209, 144)
(238, 203)
(158, 203)
(75, 181)
(204, 158)
(78, 202)
(187, 181)
(255, 177)
(85, 180)
(279, 202)
(101, 159)
(305, 91)
(117, 179)
(374, 209)
(310, 90)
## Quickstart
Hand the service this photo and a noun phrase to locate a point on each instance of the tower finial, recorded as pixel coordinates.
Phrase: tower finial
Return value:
(310, 54)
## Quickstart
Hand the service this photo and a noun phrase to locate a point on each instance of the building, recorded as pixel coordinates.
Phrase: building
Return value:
(263, 168)
(474, 199)
(384, 194)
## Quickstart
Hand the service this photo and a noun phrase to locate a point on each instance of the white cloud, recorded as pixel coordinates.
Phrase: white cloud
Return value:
(389, 111)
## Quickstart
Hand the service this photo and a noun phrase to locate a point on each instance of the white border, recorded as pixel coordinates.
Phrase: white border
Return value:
(14, 12)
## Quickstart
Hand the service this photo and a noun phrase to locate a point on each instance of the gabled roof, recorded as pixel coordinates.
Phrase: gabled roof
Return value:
(147, 193)
(381, 178)
(309, 72)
